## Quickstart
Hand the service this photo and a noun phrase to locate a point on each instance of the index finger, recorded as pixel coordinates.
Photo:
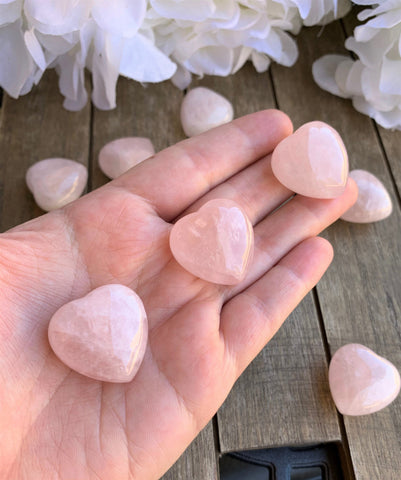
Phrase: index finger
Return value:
(176, 177)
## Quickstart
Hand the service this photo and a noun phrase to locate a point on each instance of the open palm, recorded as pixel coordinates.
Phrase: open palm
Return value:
(57, 424)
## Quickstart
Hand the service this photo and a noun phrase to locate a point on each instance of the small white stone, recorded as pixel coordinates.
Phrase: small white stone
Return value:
(118, 156)
(203, 109)
(54, 182)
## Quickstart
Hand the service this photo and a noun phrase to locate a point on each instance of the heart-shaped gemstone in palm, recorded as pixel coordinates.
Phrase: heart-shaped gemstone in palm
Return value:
(102, 335)
(312, 161)
(361, 381)
(215, 243)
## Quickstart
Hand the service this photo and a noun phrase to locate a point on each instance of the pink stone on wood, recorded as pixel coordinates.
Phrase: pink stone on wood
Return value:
(361, 382)
(54, 182)
(215, 243)
(373, 203)
(102, 335)
(203, 109)
(118, 156)
(312, 161)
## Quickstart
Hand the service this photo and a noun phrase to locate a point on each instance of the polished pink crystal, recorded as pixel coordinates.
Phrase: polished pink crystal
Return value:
(373, 203)
(361, 381)
(215, 243)
(203, 109)
(118, 156)
(102, 335)
(312, 161)
(54, 182)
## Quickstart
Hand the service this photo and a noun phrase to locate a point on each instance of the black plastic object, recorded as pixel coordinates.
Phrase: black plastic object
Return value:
(318, 462)
(232, 468)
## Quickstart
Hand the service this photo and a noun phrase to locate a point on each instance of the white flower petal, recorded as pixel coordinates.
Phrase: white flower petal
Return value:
(57, 17)
(119, 17)
(10, 11)
(390, 119)
(241, 55)
(105, 69)
(386, 20)
(58, 45)
(14, 54)
(278, 45)
(370, 79)
(260, 61)
(390, 77)
(368, 55)
(323, 71)
(364, 33)
(72, 83)
(211, 60)
(341, 75)
(35, 49)
(195, 10)
(304, 7)
(144, 62)
(354, 80)
(182, 77)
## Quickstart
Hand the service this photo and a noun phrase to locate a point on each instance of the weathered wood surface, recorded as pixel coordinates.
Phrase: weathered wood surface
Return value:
(360, 296)
(35, 127)
(283, 397)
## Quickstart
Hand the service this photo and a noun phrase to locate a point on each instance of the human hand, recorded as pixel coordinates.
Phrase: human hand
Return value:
(58, 424)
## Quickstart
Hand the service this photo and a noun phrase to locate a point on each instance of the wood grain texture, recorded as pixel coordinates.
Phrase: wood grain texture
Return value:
(282, 398)
(391, 141)
(247, 90)
(35, 127)
(199, 462)
(360, 295)
(145, 111)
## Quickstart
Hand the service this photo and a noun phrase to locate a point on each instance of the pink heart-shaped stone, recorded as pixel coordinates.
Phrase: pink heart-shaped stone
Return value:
(102, 335)
(361, 381)
(203, 109)
(373, 203)
(215, 243)
(312, 161)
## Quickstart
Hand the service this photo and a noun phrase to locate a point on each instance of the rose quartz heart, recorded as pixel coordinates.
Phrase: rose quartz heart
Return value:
(312, 161)
(361, 382)
(118, 156)
(102, 335)
(203, 109)
(373, 203)
(215, 243)
(54, 182)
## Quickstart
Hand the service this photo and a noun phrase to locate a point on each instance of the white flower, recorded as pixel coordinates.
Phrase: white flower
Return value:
(10, 11)
(373, 80)
(146, 40)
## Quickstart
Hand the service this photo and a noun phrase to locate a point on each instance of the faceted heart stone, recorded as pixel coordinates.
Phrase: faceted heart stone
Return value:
(312, 161)
(373, 203)
(118, 156)
(361, 382)
(54, 182)
(203, 109)
(102, 335)
(215, 243)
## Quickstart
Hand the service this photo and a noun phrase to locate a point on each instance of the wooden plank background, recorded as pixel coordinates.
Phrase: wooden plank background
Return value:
(283, 397)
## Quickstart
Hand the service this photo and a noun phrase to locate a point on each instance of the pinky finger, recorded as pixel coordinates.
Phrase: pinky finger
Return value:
(250, 319)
